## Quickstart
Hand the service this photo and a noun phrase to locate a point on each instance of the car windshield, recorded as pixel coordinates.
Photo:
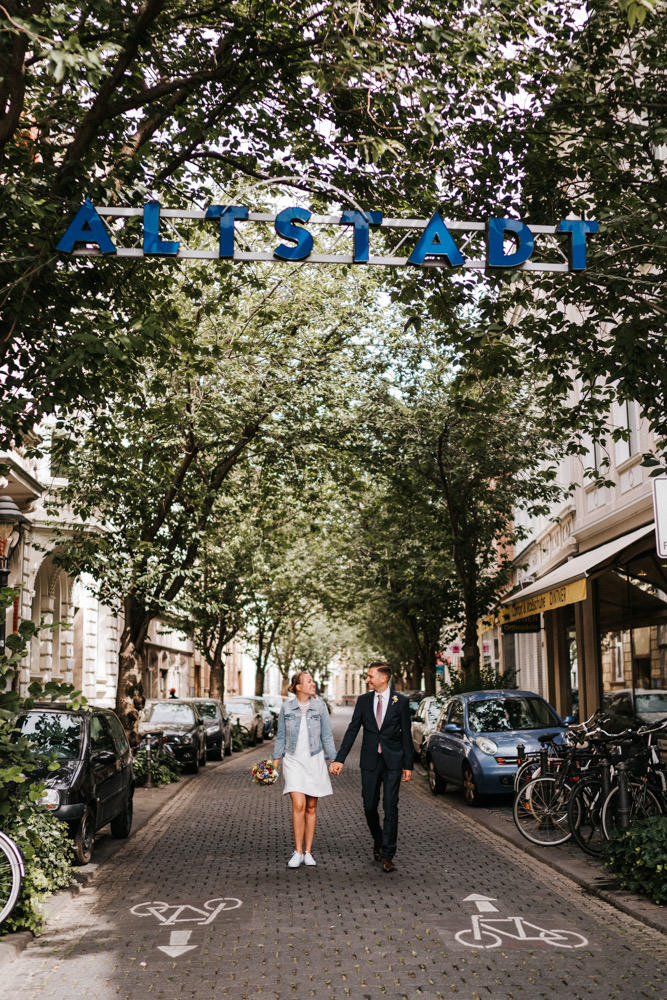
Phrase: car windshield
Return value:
(53, 733)
(494, 715)
(165, 712)
(207, 709)
(242, 706)
(656, 702)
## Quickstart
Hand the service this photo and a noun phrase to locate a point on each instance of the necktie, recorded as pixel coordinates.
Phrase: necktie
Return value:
(378, 716)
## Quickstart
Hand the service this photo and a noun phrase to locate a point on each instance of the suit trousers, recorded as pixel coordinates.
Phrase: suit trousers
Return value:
(389, 779)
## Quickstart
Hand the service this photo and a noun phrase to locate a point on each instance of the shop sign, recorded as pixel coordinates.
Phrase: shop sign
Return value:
(508, 243)
(660, 514)
(559, 597)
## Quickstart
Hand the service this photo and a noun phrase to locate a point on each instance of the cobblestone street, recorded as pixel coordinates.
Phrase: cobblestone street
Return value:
(199, 904)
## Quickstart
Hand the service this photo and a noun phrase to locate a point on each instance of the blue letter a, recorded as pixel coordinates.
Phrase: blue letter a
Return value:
(86, 227)
(436, 241)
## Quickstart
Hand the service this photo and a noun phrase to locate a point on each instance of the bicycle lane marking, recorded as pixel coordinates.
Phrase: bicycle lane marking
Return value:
(490, 931)
(168, 915)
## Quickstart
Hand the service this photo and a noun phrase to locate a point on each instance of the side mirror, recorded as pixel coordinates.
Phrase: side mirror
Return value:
(451, 727)
(569, 719)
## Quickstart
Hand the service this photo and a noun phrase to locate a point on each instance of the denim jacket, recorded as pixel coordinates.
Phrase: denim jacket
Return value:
(320, 736)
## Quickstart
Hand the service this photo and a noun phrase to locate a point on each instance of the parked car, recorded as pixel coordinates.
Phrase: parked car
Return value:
(476, 736)
(648, 707)
(415, 699)
(249, 712)
(94, 783)
(270, 717)
(218, 723)
(424, 722)
(183, 728)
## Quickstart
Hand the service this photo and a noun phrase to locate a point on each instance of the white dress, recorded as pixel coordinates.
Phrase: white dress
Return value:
(304, 772)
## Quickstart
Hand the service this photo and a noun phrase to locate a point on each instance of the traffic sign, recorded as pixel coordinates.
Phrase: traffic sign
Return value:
(660, 514)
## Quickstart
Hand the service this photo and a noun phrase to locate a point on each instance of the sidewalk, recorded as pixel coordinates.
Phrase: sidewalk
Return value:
(566, 859)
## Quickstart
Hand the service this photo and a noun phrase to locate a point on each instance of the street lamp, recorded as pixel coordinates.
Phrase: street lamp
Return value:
(10, 519)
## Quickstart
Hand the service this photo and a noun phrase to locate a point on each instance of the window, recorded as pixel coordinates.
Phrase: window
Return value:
(456, 714)
(624, 417)
(617, 659)
(100, 735)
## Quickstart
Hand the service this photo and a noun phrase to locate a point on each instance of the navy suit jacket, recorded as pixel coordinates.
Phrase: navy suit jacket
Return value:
(394, 737)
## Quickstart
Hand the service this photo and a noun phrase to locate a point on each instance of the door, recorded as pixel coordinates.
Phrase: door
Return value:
(451, 743)
(104, 766)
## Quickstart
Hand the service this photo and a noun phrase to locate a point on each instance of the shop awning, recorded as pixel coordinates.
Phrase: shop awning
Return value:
(567, 584)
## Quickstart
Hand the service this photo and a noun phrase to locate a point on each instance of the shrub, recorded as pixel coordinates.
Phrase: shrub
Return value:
(47, 852)
(164, 769)
(638, 858)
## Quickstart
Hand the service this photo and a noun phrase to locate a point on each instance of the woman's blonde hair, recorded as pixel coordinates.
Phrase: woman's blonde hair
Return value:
(296, 679)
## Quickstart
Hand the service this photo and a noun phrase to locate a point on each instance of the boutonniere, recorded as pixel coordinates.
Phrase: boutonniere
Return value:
(395, 699)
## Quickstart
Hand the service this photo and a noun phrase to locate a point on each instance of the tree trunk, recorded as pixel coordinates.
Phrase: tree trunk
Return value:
(216, 687)
(130, 691)
(470, 662)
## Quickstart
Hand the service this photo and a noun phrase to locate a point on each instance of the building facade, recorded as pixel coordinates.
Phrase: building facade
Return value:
(586, 620)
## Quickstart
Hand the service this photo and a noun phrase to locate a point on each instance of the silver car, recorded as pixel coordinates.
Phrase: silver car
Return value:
(424, 722)
(247, 711)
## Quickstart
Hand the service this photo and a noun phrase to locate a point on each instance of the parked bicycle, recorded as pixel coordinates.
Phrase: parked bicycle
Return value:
(12, 873)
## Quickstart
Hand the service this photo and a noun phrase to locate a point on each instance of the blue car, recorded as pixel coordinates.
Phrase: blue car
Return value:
(475, 740)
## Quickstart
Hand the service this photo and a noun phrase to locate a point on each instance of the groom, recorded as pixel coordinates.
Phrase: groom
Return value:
(386, 756)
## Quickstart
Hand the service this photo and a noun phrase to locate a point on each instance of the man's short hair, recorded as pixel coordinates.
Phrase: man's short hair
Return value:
(382, 666)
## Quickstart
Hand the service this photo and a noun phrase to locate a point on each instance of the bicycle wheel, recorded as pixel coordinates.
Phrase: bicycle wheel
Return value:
(584, 816)
(540, 812)
(10, 878)
(643, 803)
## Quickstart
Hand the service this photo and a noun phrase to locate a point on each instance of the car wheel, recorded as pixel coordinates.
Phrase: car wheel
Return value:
(228, 746)
(435, 782)
(122, 823)
(216, 751)
(84, 838)
(204, 756)
(470, 790)
(194, 762)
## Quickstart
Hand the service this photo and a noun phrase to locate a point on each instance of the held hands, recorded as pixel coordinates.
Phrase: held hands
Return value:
(335, 767)
(407, 775)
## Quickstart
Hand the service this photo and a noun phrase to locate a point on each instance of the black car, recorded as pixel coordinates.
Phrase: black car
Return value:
(218, 727)
(94, 783)
(182, 726)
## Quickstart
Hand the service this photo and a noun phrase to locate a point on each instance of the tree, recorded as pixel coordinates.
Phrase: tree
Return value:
(384, 102)
(594, 147)
(150, 466)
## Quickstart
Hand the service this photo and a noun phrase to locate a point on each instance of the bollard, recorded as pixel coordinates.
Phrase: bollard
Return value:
(623, 807)
(149, 781)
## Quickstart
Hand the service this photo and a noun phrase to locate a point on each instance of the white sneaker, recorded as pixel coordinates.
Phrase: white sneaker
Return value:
(295, 861)
(308, 859)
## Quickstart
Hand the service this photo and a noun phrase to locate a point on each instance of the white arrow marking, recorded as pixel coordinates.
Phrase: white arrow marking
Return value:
(178, 944)
(483, 903)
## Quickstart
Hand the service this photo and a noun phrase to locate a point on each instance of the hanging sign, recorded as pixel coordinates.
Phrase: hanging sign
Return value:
(508, 243)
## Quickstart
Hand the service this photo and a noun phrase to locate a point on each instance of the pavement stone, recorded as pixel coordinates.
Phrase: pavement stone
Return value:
(198, 903)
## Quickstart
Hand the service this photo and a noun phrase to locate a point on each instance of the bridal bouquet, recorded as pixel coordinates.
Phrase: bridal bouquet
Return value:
(264, 773)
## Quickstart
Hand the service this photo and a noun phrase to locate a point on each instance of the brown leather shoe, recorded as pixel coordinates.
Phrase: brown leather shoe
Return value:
(377, 852)
(388, 865)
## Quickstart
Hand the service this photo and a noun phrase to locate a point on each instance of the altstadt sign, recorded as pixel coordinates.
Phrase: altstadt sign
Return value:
(508, 243)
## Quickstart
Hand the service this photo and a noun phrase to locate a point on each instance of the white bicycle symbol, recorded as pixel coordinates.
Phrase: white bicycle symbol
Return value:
(488, 932)
(184, 913)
